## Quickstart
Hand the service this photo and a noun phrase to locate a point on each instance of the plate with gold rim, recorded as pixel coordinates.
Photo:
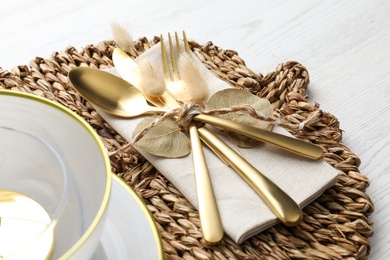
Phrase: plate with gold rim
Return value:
(129, 231)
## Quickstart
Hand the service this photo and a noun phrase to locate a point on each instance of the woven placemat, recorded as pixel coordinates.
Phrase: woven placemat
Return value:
(335, 226)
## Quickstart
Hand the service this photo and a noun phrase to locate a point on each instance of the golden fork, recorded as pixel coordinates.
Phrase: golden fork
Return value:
(210, 220)
(283, 206)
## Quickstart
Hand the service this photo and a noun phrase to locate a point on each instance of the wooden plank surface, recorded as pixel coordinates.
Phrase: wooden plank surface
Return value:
(360, 83)
(345, 46)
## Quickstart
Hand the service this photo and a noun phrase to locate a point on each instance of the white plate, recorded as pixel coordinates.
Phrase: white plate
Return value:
(129, 231)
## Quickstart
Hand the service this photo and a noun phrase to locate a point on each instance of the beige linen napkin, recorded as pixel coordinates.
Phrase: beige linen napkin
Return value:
(243, 212)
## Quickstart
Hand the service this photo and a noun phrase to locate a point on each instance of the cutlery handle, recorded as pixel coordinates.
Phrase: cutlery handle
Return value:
(207, 205)
(294, 145)
(283, 206)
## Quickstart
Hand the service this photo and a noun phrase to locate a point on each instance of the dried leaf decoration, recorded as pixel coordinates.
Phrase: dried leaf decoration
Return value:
(237, 97)
(165, 139)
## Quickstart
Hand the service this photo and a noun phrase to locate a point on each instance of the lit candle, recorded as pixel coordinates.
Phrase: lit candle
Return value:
(25, 231)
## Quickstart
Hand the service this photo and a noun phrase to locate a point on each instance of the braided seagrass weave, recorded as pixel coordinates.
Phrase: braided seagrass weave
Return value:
(335, 226)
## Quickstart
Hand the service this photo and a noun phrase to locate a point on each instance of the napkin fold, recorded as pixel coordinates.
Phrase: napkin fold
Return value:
(242, 211)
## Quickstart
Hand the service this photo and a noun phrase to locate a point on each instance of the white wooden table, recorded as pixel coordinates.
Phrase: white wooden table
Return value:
(344, 44)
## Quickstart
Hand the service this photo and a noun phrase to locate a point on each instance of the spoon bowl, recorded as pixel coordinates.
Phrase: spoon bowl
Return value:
(123, 100)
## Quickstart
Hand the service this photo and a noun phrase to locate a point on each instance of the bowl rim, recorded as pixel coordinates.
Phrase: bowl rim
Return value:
(102, 149)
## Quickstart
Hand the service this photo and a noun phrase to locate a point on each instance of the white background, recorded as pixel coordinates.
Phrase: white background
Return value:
(345, 45)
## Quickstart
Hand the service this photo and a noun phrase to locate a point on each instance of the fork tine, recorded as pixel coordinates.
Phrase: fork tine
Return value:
(186, 44)
(178, 43)
(164, 58)
(173, 59)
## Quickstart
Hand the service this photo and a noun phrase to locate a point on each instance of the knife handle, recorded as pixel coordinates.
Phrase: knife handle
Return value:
(207, 205)
(283, 206)
(291, 144)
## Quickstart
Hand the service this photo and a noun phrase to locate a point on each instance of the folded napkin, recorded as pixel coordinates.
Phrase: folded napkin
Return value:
(242, 211)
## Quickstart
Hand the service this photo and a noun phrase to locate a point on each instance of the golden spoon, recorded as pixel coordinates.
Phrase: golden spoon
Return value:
(125, 100)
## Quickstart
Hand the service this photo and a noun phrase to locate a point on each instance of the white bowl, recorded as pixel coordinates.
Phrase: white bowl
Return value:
(84, 157)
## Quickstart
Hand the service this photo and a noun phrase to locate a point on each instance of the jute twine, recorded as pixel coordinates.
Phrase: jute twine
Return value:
(335, 226)
(185, 114)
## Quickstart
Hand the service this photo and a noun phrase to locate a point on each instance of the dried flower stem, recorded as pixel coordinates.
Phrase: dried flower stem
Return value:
(122, 37)
(152, 81)
(192, 86)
